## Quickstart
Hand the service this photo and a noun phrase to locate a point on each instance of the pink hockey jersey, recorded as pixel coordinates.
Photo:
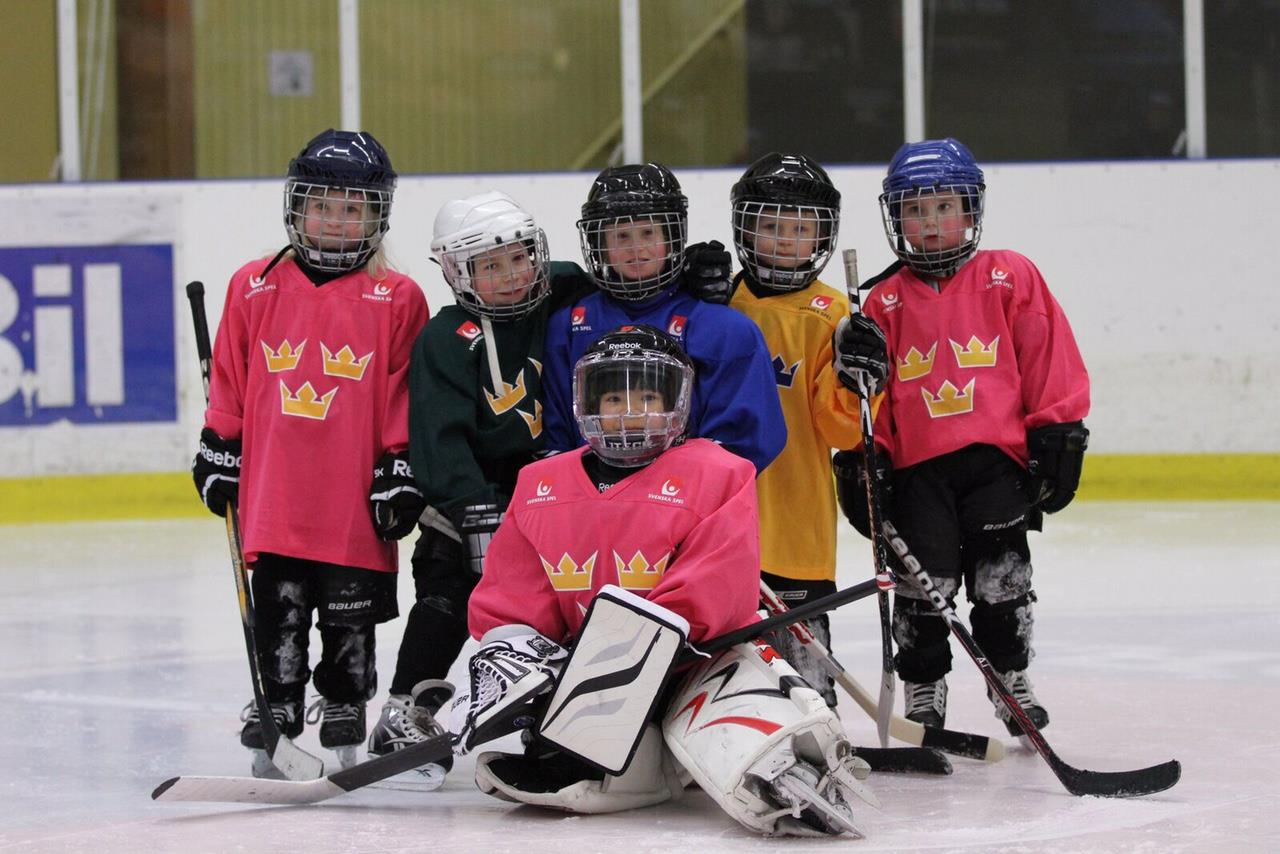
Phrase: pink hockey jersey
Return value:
(313, 380)
(983, 360)
(680, 532)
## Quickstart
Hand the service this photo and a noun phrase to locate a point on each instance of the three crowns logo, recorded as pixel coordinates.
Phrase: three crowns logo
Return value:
(345, 363)
(306, 403)
(284, 359)
(509, 395)
(638, 573)
(916, 364)
(567, 575)
(949, 400)
(975, 354)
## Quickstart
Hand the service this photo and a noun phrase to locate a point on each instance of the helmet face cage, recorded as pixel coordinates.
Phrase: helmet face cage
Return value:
(500, 276)
(335, 228)
(906, 212)
(633, 258)
(642, 427)
(784, 247)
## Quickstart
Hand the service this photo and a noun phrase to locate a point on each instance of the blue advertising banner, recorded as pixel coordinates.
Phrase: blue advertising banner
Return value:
(86, 334)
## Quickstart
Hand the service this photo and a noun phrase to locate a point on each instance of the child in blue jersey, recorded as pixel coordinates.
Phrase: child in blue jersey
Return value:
(633, 239)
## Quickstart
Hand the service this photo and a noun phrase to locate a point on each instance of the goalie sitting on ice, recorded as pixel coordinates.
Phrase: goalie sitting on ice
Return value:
(624, 550)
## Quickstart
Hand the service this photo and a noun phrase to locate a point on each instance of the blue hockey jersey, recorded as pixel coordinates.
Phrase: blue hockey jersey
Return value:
(735, 395)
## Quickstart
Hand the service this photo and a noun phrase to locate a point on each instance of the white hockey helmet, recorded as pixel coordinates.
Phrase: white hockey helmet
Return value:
(493, 254)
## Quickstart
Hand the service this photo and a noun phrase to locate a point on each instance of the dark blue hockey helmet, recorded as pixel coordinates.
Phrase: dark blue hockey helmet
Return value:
(932, 167)
(345, 180)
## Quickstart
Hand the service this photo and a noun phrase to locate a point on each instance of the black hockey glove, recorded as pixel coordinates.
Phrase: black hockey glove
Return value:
(708, 272)
(216, 471)
(859, 355)
(1056, 454)
(476, 524)
(850, 468)
(394, 497)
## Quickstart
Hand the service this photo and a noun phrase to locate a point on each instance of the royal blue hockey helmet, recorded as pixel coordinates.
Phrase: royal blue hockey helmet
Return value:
(932, 167)
(345, 180)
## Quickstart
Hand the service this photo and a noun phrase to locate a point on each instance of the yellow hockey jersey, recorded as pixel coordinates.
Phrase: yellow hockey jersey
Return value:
(796, 491)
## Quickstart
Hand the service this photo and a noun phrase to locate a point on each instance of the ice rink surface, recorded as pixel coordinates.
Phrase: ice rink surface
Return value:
(1158, 637)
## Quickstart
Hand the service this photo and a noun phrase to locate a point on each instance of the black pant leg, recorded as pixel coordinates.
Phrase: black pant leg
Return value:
(282, 603)
(436, 629)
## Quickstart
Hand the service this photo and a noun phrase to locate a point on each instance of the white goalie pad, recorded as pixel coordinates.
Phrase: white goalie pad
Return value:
(764, 745)
(607, 691)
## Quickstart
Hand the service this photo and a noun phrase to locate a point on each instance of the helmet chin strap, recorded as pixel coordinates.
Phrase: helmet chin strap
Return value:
(491, 350)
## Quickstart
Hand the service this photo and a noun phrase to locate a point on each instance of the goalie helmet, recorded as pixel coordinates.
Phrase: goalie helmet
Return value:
(633, 230)
(786, 216)
(337, 200)
(917, 233)
(631, 395)
(493, 255)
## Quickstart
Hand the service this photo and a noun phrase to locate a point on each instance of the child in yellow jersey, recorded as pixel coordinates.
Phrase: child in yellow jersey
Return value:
(785, 219)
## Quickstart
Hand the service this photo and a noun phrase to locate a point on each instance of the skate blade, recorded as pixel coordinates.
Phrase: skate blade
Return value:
(262, 767)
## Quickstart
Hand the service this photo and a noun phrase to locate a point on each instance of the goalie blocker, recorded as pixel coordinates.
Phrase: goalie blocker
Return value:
(743, 724)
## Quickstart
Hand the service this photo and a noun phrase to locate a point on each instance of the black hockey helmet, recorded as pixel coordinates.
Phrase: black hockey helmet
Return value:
(340, 166)
(776, 189)
(636, 193)
(633, 359)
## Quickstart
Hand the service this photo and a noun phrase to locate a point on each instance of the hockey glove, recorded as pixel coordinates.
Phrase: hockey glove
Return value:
(476, 524)
(1056, 454)
(859, 355)
(708, 272)
(850, 469)
(216, 471)
(394, 497)
(513, 667)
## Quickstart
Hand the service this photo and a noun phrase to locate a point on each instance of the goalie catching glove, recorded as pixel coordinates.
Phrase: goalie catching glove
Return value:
(216, 471)
(394, 497)
(513, 667)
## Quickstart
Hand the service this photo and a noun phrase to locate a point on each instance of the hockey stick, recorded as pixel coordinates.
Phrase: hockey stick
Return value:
(949, 741)
(294, 762)
(252, 790)
(1103, 784)
(884, 575)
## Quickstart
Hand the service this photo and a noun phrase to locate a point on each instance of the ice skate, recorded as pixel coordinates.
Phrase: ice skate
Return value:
(813, 804)
(288, 718)
(925, 702)
(407, 720)
(1019, 686)
(342, 728)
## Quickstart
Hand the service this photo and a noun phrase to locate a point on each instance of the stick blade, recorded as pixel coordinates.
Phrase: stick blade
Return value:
(245, 790)
(963, 744)
(1120, 784)
(294, 762)
(905, 760)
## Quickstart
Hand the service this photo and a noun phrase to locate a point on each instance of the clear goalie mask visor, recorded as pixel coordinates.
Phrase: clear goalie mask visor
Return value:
(631, 406)
(784, 247)
(935, 229)
(633, 258)
(334, 229)
(504, 282)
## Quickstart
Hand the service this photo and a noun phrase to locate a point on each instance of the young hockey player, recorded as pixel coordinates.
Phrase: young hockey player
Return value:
(633, 242)
(671, 523)
(475, 419)
(308, 397)
(786, 213)
(982, 424)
